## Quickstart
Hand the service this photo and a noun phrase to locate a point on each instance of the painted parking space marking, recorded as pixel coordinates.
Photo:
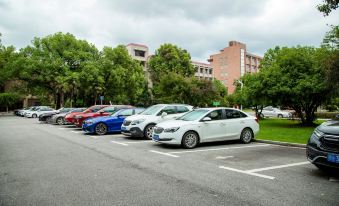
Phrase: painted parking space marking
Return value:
(137, 142)
(253, 172)
(278, 167)
(76, 132)
(163, 153)
(119, 143)
(248, 173)
(95, 137)
(223, 157)
(224, 148)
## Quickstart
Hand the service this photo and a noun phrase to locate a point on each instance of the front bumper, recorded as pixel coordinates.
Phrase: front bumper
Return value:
(132, 131)
(88, 128)
(319, 157)
(167, 138)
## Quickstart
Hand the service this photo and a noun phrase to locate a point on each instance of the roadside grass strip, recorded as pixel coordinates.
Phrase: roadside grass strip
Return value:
(253, 172)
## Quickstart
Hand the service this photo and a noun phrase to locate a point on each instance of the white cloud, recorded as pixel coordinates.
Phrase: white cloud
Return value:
(201, 27)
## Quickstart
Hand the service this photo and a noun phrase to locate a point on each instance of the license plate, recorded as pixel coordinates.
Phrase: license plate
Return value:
(156, 137)
(123, 128)
(333, 158)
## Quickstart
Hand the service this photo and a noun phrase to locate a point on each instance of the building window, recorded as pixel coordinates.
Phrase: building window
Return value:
(210, 71)
(201, 70)
(139, 53)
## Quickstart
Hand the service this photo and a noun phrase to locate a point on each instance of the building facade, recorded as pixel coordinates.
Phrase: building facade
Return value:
(233, 62)
(203, 70)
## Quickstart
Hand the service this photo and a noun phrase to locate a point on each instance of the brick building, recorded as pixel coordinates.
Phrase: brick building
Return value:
(233, 62)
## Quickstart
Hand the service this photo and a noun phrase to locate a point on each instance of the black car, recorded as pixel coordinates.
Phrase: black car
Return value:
(46, 117)
(323, 146)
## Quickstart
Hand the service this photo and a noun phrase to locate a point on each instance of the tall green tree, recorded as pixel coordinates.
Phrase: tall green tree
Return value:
(49, 62)
(7, 56)
(294, 77)
(170, 58)
(123, 77)
(8, 99)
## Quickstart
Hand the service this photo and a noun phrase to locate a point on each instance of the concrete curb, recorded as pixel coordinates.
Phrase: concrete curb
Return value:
(280, 143)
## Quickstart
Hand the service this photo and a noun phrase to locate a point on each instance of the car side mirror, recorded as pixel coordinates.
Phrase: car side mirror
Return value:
(206, 119)
(163, 114)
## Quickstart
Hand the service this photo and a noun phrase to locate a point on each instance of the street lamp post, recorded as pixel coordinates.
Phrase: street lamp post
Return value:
(241, 86)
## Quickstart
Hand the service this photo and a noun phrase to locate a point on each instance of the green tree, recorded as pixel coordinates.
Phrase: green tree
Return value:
(170, 58)
(328, 6)
(123, 77)
(294, 78)
(51, 63)
(7, 56)
(9, 99)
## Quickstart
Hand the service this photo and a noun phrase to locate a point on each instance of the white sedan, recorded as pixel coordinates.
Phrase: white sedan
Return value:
(207, 125)
(275, 112)
(40, 111)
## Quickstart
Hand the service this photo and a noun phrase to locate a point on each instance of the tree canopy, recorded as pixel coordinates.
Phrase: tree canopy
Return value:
(328, 6)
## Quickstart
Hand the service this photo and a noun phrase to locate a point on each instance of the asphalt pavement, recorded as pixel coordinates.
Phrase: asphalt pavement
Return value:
(43, 164)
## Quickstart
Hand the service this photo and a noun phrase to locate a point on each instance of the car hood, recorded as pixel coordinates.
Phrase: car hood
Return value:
(60, 115)
(174, 123)
(330, 127)
(139, 116)
(74, 113)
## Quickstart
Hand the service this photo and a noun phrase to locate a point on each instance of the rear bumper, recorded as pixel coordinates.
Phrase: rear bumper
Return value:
(319, 157)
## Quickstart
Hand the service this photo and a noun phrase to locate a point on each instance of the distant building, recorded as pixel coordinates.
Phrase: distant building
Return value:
(203, 70)
(233, 62)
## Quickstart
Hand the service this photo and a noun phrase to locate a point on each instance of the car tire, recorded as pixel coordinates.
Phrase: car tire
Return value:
(246, 135)
(59, 121)
(280, 116)
(190, 140)
(34, 115)
(100, 129)
(148, 132)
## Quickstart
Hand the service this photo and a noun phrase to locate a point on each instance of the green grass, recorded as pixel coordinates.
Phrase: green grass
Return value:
(284, 130)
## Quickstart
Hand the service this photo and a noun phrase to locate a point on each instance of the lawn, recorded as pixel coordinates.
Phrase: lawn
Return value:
(284, 130)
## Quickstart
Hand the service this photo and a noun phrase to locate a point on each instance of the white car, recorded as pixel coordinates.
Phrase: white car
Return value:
(40, 111)
(275, 112)
(207, 125)
(141, 125)
(22, 112)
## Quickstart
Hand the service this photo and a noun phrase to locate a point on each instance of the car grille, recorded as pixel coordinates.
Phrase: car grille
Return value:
(127, 123)
(158, 130)
(330, 142)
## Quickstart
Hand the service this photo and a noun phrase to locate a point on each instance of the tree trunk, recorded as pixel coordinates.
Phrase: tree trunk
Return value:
(58, 100)
(62, 99)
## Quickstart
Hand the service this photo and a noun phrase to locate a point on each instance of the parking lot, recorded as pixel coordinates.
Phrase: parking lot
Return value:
(252, 174)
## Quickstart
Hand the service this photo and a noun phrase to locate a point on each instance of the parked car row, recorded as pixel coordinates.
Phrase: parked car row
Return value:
(177, 124)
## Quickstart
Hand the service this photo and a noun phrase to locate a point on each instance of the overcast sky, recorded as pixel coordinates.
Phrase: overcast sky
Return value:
(202, 27)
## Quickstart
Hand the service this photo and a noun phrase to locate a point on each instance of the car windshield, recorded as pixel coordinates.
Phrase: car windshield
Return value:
(153, 110)
(116, 113)
(194, 115)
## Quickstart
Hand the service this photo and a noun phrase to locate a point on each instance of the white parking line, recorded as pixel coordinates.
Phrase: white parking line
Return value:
(119, 143)
(248, 173)
(278, 167)
(253, 171)
(223, 157)
(136, 142)
(163, 153)
(94, 137)
(224, 148)
(76, 132)
(62, 128)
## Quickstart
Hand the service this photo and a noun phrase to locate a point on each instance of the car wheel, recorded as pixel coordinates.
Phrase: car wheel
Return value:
(280, 116)
(59, 121)
(34, 115)
(246, 135)
(148, 132)
(190, 140)
(100, 129)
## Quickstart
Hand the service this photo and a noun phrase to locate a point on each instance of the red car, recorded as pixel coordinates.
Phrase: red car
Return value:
(80, 118)
(70, 118)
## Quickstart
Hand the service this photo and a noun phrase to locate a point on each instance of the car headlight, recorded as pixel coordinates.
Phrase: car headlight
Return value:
(88, 122)
(316, 136)
(172, 129)
(138, 121)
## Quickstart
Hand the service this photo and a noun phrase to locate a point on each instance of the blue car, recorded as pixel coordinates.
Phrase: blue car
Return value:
(105, 124)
